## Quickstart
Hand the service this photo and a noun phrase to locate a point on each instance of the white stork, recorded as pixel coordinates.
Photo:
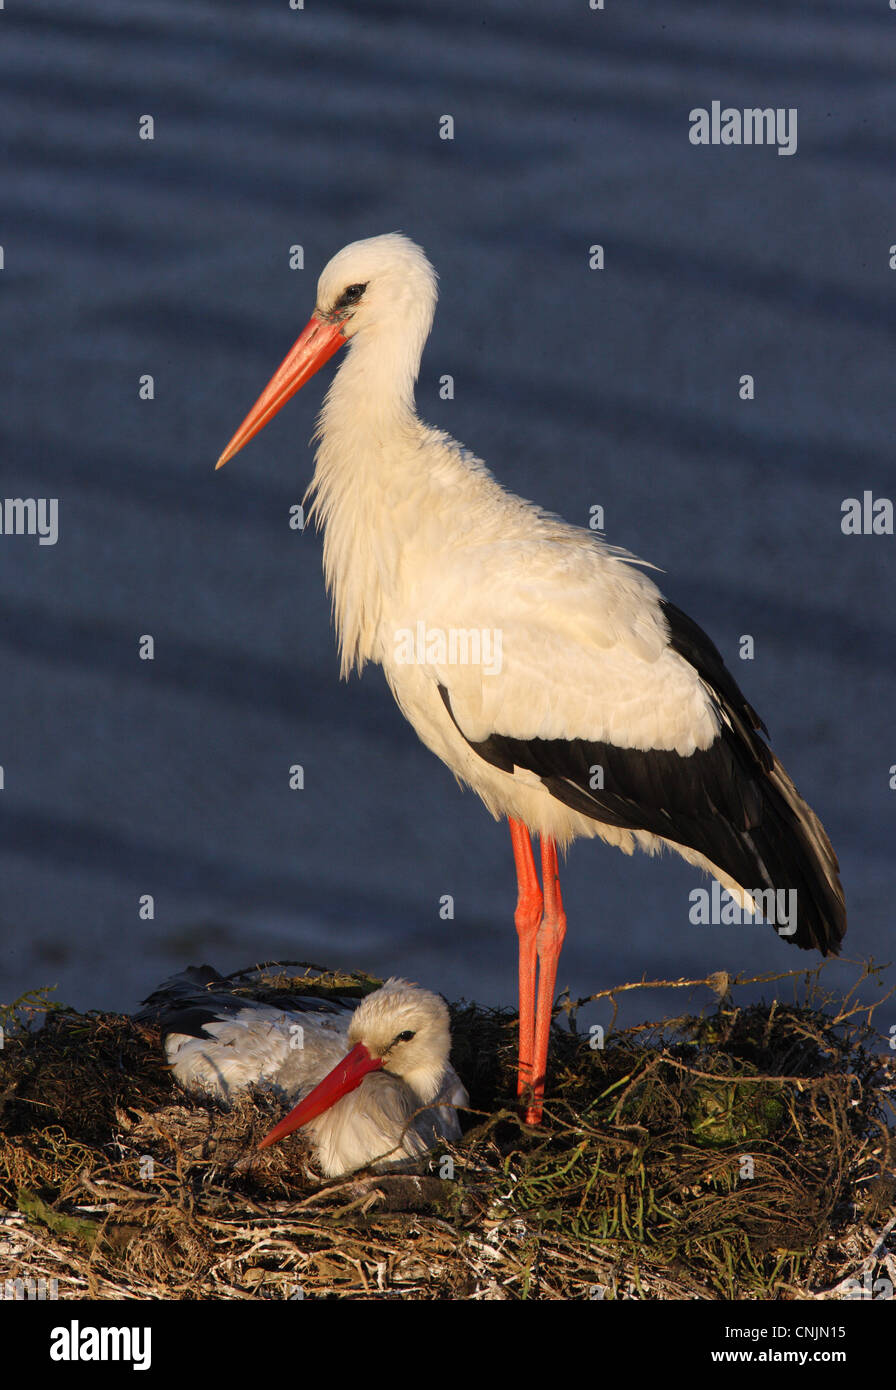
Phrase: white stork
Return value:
(370, 1083)
(596, 706)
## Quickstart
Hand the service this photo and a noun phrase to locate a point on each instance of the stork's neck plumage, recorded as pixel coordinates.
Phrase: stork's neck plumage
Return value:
(367, 429)
(378, 470)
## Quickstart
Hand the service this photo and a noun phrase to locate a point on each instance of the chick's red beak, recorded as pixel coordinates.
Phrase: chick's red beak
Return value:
(345, 1077)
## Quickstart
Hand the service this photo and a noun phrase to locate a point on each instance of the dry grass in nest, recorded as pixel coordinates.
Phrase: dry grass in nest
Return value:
(745, 1153)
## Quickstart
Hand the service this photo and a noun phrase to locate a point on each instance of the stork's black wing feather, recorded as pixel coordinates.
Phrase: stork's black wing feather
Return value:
(199, 995)
(732, 802)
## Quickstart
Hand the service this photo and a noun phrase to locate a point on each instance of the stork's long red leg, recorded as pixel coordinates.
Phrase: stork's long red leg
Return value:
(549, 943)
(529, 907)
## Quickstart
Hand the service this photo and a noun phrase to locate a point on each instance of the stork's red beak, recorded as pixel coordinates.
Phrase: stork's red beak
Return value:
(316, 346)
(344, 1077)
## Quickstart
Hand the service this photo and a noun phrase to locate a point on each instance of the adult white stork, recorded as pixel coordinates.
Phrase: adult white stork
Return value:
(371, 1084)
(598, 708)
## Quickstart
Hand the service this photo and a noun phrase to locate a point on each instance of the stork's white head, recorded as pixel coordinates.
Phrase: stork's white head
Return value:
(401, 1029)
(380, 292)
(409, 1031)
(383, 283)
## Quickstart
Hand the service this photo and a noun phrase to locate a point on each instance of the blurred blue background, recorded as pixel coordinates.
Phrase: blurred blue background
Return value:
(276, 127)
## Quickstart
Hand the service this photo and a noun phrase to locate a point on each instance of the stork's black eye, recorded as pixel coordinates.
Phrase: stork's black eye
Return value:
(405, 1036)
(349, 296)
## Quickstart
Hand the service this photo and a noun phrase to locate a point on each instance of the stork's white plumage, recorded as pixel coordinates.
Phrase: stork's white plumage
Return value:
(370, 1084)
(534, 659)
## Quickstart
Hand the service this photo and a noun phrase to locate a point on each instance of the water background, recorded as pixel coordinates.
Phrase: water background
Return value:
(276, 127)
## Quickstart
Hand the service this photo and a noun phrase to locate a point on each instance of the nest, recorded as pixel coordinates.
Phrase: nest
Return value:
(743, 1153)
